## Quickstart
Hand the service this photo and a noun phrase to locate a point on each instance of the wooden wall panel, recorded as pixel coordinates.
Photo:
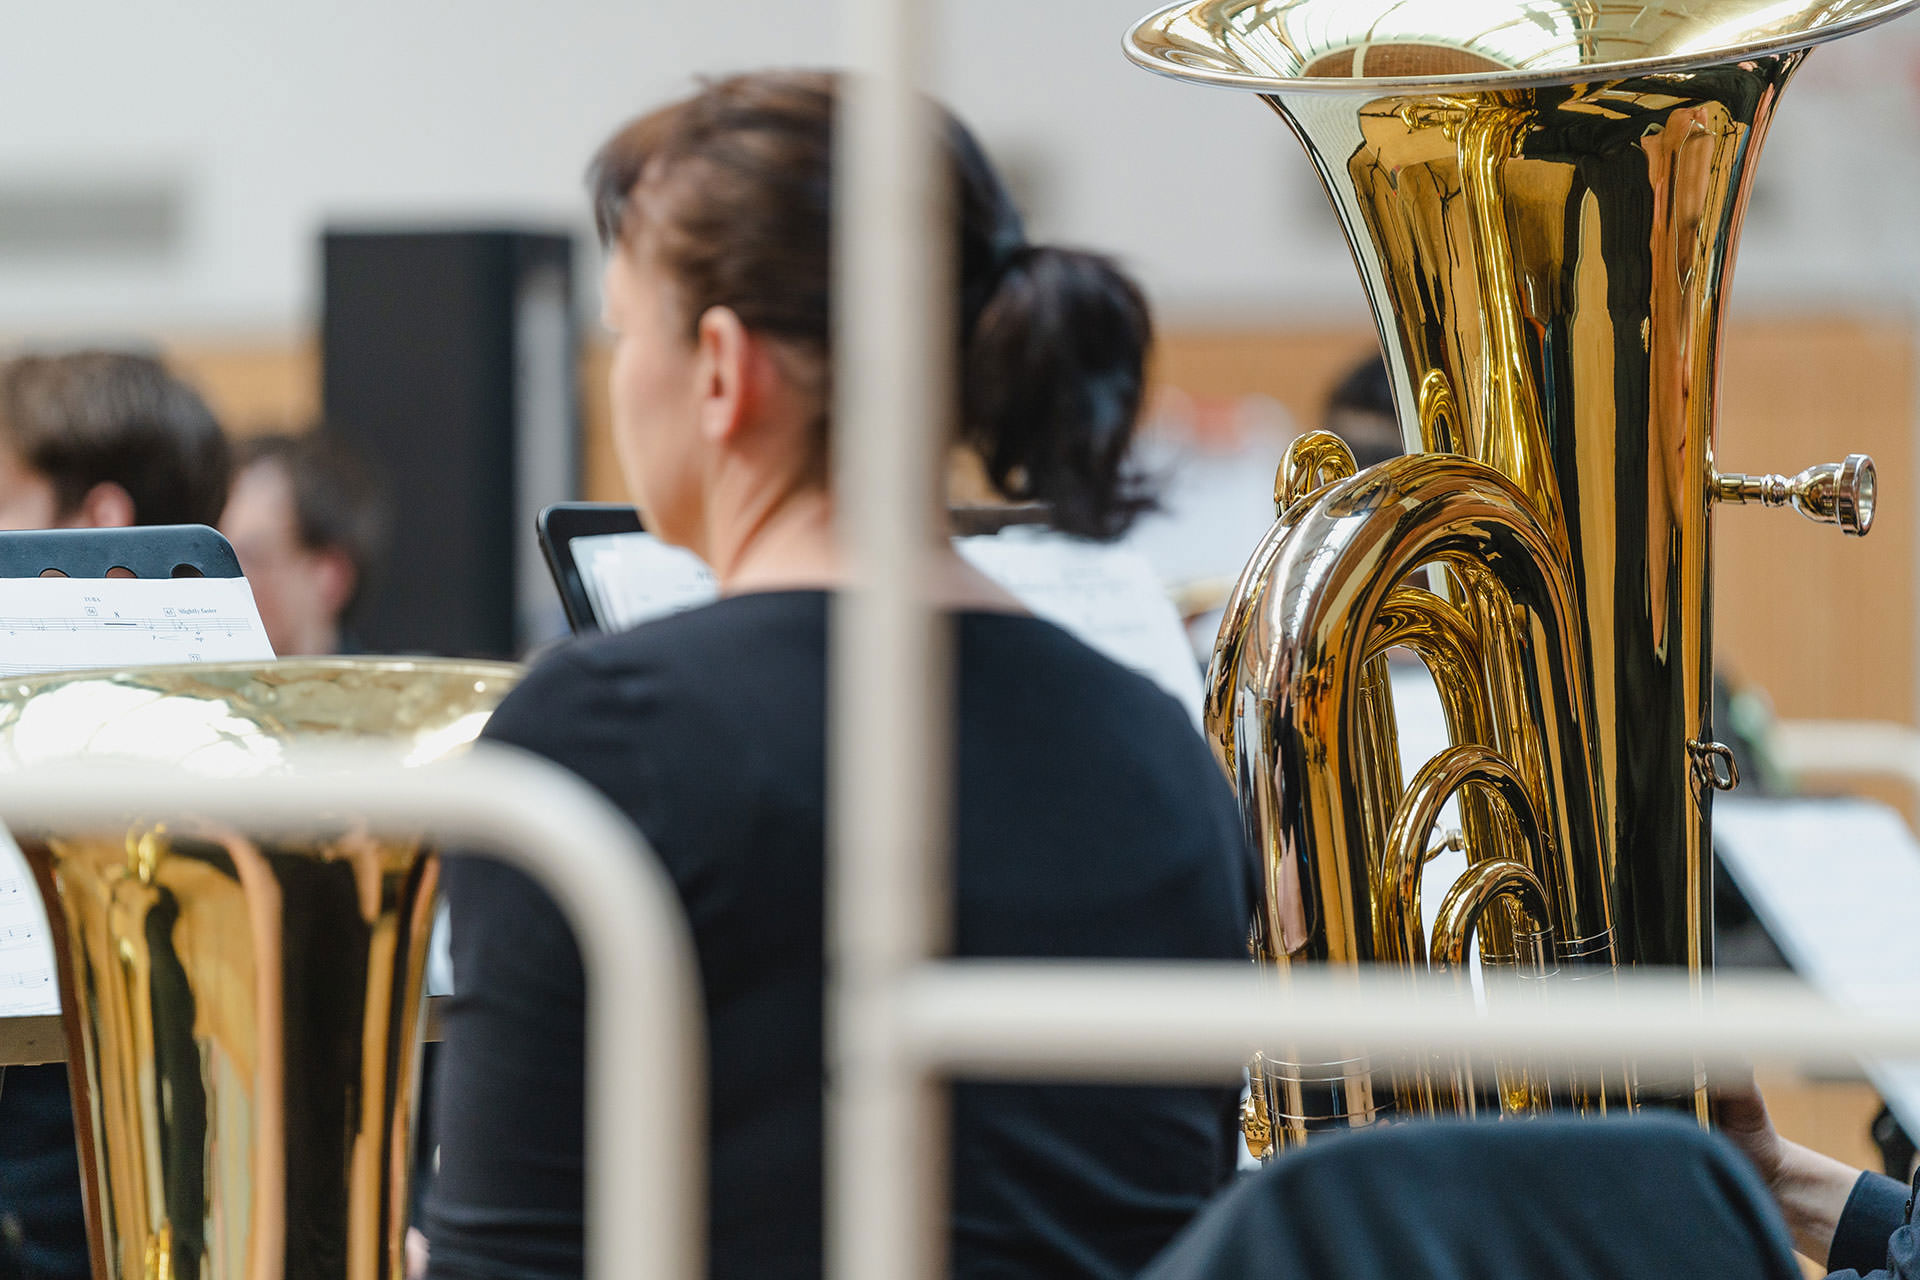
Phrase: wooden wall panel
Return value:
(254, 386)
(1298, 369)
(601, 480)
(1823, 622)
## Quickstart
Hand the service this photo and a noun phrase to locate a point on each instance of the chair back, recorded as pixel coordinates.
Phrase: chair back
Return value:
(1652, 1198)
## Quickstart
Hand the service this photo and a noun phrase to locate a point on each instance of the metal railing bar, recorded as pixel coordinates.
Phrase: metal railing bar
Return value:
(889, 715)
(1118, 1020)
(646, 1133)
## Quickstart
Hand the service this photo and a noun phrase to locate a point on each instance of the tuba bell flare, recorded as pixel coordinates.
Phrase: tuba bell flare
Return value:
(1542, 198)
(243, 1012)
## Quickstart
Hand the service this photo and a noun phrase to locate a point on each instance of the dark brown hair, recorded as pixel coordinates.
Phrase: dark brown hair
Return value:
(733, 189)
(340, 502)
(1360, 411)
(92, 417)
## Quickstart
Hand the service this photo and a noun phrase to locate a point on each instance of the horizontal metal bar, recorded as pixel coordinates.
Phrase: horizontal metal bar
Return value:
(34, 1039)
(646, 1210)
(1124, 1021)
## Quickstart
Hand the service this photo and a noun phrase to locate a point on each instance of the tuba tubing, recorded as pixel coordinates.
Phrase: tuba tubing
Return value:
(1294, 733)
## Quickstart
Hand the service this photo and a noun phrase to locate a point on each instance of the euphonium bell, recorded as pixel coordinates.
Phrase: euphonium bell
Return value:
(1542, 197)
(242, 1013)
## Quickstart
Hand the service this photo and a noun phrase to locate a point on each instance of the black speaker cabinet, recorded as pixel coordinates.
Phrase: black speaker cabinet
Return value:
(451, 359)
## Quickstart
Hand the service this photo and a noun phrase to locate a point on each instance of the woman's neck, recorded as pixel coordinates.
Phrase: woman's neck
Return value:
(792, 546)
(787, 545)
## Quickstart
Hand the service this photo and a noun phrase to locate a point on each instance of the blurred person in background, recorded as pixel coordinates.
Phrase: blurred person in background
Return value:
(1360, 411)
(1219, 501)
(90, 439)
(104, 439)
(1089, 819)
(309, 519)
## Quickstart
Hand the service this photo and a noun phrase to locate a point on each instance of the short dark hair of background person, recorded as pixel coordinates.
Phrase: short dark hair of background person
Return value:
(1360, 411)
(87, 418)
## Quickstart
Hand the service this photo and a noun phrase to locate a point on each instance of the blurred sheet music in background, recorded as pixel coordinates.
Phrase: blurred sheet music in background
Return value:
(1107, 596)
(631, 577)
(1837, 885)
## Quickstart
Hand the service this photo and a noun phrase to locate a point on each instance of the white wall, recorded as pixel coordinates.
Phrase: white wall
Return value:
(273, 118)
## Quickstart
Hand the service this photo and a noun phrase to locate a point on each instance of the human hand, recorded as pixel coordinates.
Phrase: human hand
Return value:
(1740, 1116)
(1811, 1189)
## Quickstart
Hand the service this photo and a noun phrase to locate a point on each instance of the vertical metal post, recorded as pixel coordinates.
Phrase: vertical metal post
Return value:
(890, 693)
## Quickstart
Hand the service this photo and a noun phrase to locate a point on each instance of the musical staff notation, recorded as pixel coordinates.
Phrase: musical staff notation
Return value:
(218, 626)
(67, 624)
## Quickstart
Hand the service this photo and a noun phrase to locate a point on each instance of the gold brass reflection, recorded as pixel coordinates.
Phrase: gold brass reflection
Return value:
(1542, 197)
(242, 1013)
(1276, 44)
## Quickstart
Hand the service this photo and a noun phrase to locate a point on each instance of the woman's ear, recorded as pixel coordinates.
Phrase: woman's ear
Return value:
(724, 370)
(105, 506)
(334, 579)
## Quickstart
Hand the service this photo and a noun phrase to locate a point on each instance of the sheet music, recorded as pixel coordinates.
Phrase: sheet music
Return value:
(1837, 885)
(632, 578)
(68, 624)
(1107, 596)
(26, 950)
(65, 624)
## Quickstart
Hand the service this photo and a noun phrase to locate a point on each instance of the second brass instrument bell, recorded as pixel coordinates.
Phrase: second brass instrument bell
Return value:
(242, 1012)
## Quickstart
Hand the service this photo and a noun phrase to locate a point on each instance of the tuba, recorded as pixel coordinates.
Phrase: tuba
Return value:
(1542, 198)
(242, 1013)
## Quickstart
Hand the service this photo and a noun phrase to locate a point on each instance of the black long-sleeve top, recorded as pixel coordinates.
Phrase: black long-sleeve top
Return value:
(1873, 1239)
(1090, 821)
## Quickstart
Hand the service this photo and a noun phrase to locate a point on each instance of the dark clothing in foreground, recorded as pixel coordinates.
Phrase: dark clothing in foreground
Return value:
(1874, 1239)
(43, 1224)
(1090, 821)
(1651, 1198)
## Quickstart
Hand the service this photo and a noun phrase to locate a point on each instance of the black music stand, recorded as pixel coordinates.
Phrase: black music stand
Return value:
(145, 551)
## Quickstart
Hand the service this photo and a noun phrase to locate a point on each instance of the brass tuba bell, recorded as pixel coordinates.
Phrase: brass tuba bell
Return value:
(1542, 198)
(242, 1013)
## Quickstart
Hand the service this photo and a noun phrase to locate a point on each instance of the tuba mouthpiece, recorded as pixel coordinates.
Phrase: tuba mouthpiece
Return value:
(1837, 493)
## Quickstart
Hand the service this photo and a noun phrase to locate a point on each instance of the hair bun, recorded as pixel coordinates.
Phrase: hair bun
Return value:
(1052, 376)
